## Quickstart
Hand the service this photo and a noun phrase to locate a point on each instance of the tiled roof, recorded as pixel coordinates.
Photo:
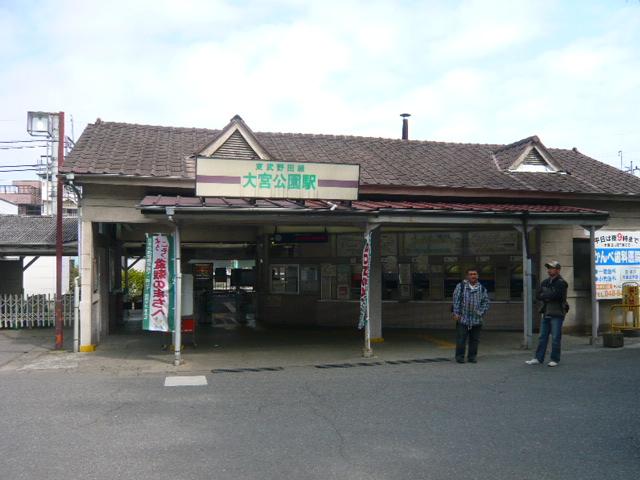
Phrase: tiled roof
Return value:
(36, 230)
(152, 201)
(143, 150)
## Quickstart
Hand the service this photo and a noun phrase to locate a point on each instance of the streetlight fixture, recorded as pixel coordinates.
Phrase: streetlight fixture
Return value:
(40, 124)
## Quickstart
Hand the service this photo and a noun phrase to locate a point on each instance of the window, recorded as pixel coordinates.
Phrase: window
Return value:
(453, 276)
(581, 264)
(284, 279)
(487, 275)
(516, 282)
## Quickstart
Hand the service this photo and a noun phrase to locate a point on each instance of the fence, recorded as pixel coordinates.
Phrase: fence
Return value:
(17, 311)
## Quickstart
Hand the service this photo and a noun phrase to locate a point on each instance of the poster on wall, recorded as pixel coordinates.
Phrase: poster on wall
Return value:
(443, 243)
(349, 245)
(435, 243)
(617, 261)
(421, 264)
(388, 244)
(497, 242)
(158, 309)
(416, 243)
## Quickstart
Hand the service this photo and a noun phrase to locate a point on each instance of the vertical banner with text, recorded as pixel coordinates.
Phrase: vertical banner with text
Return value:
(159, 284)
(364, 283)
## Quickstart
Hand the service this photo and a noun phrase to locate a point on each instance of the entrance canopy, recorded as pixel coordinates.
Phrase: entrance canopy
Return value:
(372, 211)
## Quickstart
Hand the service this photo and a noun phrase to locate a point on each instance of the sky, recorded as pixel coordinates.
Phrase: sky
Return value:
(472, 71)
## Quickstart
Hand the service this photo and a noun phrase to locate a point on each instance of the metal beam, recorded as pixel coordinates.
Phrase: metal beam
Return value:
(31, 262)
(134, 263)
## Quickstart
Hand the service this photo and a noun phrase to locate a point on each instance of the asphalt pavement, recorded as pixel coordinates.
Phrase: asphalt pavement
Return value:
(377, 419)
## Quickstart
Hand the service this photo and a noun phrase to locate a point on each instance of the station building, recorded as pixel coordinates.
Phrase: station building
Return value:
(291, 240)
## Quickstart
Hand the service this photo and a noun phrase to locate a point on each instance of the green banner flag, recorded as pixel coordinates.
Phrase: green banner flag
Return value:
(159, 284)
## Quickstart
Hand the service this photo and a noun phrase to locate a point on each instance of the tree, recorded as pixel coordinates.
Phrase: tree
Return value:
(136, 284)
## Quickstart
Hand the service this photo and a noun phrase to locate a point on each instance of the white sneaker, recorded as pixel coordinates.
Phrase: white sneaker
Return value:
(533, 361)
(552, 364)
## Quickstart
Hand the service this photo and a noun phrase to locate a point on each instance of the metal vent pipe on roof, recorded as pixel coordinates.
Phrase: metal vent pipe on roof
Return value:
(405, 125)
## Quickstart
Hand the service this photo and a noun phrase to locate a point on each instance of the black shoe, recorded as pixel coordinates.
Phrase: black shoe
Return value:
(460, 360)
(472, 360)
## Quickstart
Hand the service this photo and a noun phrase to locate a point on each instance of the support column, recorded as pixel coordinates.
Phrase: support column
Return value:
(595, 312)
(375, 288)
(262, 275)
(87, 342)
(177, 315)
(527, 300)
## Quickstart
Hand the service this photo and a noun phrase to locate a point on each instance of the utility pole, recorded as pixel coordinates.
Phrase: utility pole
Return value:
(42, 124)
(59, 192)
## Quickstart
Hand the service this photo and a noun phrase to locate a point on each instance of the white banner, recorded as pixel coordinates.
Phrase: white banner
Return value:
(158, 311)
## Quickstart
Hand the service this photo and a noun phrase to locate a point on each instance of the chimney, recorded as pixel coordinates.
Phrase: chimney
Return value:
(405, 125)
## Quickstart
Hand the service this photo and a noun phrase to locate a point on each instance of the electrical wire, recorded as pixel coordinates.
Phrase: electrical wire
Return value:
(21, 165)
(21, 141)
(20, 147)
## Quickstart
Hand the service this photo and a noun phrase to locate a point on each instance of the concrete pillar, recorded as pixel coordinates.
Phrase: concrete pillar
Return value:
(87, 342)
(375, 288)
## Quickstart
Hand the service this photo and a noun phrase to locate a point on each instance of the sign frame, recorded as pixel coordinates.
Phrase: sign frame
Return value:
(263, 178)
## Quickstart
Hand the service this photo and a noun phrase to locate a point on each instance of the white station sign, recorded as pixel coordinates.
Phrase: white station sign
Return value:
(217, 177)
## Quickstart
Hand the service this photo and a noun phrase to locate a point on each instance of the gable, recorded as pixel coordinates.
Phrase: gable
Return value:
(236, 146)
(236, 140)
(534, 162)
(535, 158)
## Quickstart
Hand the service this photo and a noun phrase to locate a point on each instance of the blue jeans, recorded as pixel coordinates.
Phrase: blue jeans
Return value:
(550, 325)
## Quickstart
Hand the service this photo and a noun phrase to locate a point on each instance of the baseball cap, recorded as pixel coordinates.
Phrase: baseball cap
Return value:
(553, 264)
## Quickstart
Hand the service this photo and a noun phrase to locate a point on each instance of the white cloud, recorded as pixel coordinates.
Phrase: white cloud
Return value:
(477, 71)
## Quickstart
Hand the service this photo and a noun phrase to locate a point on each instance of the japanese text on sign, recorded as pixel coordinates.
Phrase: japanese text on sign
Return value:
(279, 175)
(617, 262)
(158, 293)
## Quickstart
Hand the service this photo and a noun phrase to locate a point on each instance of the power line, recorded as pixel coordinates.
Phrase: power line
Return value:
(19, 170)
(21, 147)
(21, 141)
(20, 165)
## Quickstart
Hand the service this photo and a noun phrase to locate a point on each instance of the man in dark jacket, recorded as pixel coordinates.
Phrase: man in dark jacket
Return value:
(553, 295)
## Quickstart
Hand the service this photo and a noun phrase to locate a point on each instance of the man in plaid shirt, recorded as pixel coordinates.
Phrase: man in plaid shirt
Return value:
(470, 303)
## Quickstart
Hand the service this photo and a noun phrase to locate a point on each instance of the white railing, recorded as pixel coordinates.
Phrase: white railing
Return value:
(18, 311)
